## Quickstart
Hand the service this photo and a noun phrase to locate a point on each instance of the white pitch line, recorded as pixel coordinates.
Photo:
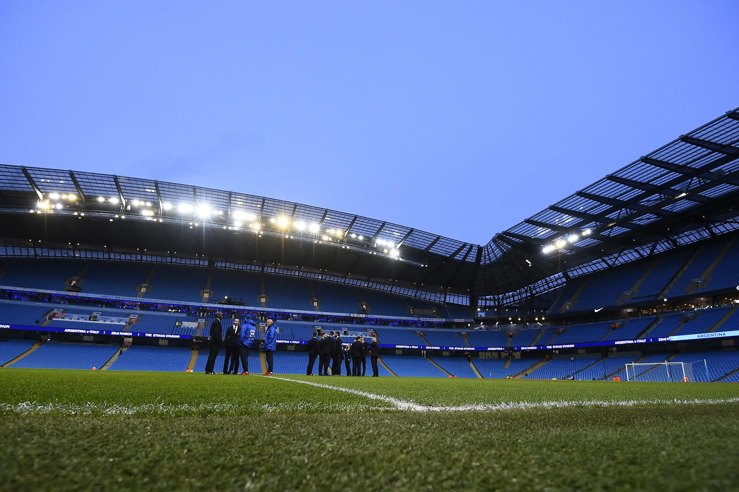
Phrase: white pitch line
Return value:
(409, 406)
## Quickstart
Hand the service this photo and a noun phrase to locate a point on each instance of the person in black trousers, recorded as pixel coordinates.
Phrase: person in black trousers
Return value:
(365, 352)
(337, 355)
(312, 354)
(231, 344)
(216, 338)
(348, 360)
(327, 347)
(357, 349)
(374, 352)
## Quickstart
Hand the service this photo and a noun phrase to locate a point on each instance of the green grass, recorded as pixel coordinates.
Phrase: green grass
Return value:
(106, 430)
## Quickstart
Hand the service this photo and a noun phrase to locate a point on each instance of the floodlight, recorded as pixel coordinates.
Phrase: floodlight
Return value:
(560, 243)
(101, 199)
(237, 224)
(185, 208)
(300, 226)
(166, 206)
(573, 238)
(72, 197)
(548, 249)
(114, 200)
(283, 222)
(147, 213)
(137, 203)
(203, 210)
(394, 253)
(244, 216)
(59, 206)
(314, 227)
(586, 232)
(54, 196)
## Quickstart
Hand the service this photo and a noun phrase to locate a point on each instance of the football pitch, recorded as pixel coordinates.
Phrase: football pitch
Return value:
(177, 431)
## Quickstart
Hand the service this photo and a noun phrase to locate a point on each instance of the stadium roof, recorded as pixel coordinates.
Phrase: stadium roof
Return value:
(681, 193)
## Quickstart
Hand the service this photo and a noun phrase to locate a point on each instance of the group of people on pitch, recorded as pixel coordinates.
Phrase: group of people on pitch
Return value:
(237, 342)
(330, 351)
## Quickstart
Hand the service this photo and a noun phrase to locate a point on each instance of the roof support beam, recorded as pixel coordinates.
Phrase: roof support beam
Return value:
(712, 146)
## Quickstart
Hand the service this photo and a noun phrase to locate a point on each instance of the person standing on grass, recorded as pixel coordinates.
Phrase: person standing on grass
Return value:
(312, 354)
(246, 341)
(231, 359)
(270, 345)
(365, 352)
(327, 346)
(357, 350)
(374, 352)
(348, 360)
(337, 355)
(216, 338)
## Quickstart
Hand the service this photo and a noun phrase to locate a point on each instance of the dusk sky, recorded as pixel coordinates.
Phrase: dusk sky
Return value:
(460, 118)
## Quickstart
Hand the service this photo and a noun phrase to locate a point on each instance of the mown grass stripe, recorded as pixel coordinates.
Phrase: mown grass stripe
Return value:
(410, 406)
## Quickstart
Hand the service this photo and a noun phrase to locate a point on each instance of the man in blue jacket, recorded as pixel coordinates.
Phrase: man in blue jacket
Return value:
(270, 345)
(246, 341)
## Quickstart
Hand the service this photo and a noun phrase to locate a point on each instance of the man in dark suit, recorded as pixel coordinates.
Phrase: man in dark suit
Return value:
(348, 360)
(230, 343)
(216, 338)
(327, 347)
(365, 352)
(357, 350)
(312, 354)
(337, 355)
(374, 353)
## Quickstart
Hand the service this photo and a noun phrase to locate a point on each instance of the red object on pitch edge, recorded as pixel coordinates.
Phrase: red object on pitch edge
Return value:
(617, 379)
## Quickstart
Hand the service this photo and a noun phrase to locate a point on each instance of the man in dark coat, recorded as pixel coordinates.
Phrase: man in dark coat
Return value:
(337, 355)
(216, 338)
(312, 354)
(365, 353)
(327, 348)
(374, 353)
(348, 360)
(357, 350)
(230, 343)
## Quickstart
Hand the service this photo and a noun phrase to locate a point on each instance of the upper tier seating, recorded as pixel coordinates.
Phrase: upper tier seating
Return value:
(119, 279)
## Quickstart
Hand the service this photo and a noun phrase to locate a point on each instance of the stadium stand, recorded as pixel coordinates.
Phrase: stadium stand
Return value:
(177, 283)
(286, 293)
(500, 368)
(444, 338)
(39, 275)
(413, 366)
(604, 368)
(456, 366)
(336, 299)
(118, 279)
(22, 313)
(629, 329)
(12, 348)
(563, 368)
(152, 358)
(398, 336)
(488, 338)
(383, 304)
(583, 333)
(236, 286)
(58, 355)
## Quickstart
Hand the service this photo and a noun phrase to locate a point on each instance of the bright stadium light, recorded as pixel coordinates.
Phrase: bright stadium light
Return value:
(586, 232)
(59, 206)
(147, 213)
(167, 206)
(238, 224)
(283, 222)
(300, 225)
(54, 196)
(394, 253)
(244, 216)
(114, 200)
(573, 238)
(314, 227)
(203, 210)
(101, 199)
(185, 208)
(137, 203)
